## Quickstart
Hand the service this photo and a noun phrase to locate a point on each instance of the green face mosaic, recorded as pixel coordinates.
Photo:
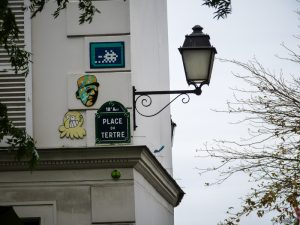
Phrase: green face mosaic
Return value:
(87, 90)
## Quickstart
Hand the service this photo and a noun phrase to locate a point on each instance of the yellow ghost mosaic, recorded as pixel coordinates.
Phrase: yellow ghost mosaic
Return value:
(72, 126)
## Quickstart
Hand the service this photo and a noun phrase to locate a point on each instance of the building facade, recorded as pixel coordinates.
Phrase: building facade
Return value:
(96, 166)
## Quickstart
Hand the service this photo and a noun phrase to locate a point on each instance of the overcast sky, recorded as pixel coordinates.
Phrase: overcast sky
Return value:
(256, 28)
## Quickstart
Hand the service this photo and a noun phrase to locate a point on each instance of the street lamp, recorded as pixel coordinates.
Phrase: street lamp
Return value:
(198, 58)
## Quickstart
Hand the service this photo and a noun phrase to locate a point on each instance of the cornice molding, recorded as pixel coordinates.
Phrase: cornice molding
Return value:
(137, 157)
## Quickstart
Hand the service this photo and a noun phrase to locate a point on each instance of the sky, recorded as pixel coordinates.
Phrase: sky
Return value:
(255, 28)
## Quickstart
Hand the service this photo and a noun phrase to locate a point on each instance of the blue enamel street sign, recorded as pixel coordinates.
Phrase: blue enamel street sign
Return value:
(112, 124)
(107, 55)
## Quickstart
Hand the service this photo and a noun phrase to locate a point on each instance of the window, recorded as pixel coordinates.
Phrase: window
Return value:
(9, 216)
(12, 86)
(36, 212)
(31, 221)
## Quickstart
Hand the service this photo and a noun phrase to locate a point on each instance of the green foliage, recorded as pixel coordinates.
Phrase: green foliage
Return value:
(86, 8)
(222, 7)
(88, 11)
(17, 139)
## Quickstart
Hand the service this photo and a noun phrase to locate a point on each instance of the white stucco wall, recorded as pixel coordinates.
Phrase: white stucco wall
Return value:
(150, 72)
(54, 56)
(58, 57)
(150, 207)
(87, 196)
(59, 52)
(71, 196)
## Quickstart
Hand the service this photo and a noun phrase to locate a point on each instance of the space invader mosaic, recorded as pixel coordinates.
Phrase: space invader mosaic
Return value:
(107, 55)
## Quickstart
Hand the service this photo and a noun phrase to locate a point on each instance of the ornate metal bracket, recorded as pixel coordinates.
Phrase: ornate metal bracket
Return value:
(146, 100)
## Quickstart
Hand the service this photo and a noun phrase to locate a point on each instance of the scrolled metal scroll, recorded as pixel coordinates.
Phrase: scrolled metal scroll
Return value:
(146, 101)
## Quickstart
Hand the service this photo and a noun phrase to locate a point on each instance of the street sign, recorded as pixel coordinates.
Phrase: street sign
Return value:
(107, 55)
(112, 124)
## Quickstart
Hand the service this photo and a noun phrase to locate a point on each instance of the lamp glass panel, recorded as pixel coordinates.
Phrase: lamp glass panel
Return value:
(197, 64)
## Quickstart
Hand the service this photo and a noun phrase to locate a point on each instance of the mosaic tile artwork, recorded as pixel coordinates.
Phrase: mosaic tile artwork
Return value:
(87, 90)
(107, 55)
(72, 126)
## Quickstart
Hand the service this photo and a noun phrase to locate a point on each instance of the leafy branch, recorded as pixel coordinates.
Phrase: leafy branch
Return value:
(222, 7)
(18, 140)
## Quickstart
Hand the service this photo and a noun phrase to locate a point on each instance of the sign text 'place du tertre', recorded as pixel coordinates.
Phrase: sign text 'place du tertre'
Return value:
(112, 124)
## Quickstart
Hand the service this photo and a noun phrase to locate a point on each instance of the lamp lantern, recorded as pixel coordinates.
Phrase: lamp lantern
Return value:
(198, 57)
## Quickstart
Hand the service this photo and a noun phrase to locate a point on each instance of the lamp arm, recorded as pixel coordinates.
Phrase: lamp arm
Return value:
(146, 100)
(143, 93)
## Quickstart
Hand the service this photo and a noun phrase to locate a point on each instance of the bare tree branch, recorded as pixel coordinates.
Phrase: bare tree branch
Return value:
(270, 155)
